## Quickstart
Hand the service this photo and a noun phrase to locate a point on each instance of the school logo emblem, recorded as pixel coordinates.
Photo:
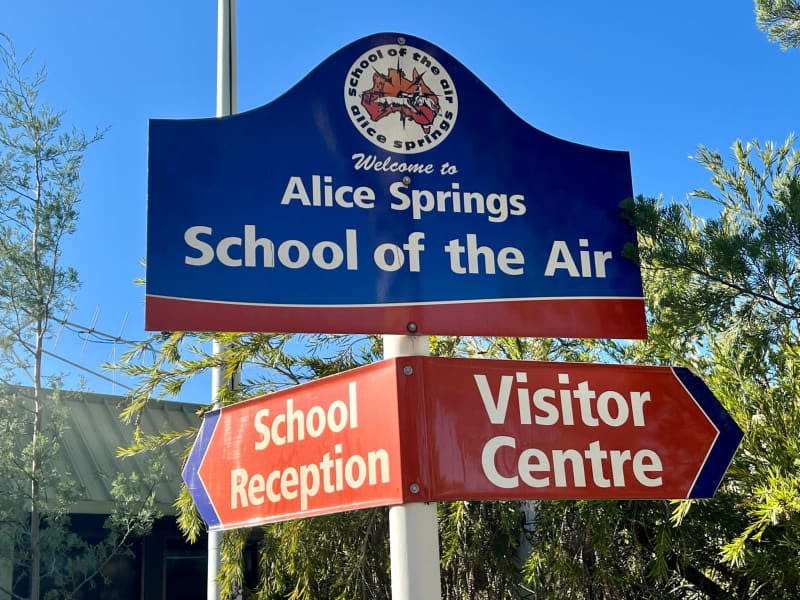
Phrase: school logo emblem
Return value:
(401, 99)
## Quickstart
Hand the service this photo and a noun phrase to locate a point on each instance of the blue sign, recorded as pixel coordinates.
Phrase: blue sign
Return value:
(390, 191)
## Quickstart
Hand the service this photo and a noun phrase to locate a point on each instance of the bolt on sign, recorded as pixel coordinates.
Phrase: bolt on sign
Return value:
(419, 429)
(388, 191)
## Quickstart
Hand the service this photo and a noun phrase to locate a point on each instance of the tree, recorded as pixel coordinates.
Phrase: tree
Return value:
(724, 299)
(40, 162)
(740, 297)
(780, 20)
(15, 421)
(70, 563)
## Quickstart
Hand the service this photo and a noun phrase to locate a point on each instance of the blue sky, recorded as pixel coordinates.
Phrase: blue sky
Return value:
(655, 79)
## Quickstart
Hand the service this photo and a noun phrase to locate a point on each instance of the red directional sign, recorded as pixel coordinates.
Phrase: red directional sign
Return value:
(323, 447)
(422, 429)
(541, 430)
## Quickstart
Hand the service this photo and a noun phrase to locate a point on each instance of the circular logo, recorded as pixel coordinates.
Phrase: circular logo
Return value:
(401, 99)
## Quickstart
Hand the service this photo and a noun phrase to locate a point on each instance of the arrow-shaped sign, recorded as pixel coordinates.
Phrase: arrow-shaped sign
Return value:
(418, 429)
(322, 447)
(499, 429)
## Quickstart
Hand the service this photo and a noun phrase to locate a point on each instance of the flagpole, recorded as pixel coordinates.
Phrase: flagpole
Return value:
(226, 58)
(225, 106)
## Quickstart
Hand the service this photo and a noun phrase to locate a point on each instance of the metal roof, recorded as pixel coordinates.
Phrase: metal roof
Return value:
(94, 433)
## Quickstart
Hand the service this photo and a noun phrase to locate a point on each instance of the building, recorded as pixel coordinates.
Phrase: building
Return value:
(162, 564)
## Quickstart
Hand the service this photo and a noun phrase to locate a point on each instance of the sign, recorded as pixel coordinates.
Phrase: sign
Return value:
(318, 448)
(505, 430)
(419, 429)
(390, 191)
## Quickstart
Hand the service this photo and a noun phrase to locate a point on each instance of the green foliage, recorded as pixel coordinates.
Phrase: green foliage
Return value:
(479, 543)
(602, 550)
(738, 264)
(262, 362)
(780, 20)
(71, 563)
(133, 516)
(723, 299)
(336, 557)
(39, 191)
(40, 162)
(15, 493)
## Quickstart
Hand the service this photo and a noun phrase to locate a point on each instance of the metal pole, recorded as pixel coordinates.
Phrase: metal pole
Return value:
(413, 528)
(226, 58)
(226, 105)
(215, 537)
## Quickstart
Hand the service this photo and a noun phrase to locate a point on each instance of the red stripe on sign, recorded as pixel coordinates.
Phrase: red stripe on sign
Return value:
(569, 317)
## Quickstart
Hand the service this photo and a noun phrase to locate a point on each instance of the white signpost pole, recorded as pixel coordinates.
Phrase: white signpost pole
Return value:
(214, 537)
(226, 105)
(413, 528)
